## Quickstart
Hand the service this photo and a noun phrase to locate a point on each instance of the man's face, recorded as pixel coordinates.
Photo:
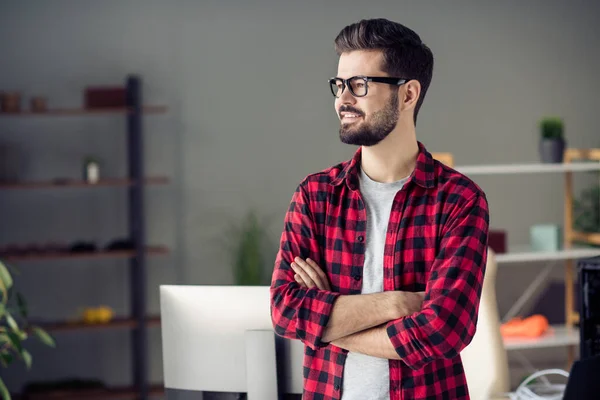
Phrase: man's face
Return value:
(365, 121)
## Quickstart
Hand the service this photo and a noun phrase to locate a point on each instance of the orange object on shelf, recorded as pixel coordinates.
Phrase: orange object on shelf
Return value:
(533, 326)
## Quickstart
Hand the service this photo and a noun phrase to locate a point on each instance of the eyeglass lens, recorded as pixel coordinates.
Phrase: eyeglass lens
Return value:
(358, 87)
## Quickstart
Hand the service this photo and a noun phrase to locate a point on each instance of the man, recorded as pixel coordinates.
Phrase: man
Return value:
(382, 257)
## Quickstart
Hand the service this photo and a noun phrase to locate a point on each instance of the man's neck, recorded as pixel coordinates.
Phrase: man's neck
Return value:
(391, 159)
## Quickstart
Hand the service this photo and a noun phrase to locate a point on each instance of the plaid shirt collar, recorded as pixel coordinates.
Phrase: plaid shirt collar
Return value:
(423, 174)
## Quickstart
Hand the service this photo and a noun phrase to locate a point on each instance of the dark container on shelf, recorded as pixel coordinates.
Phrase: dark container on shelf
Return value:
(105, 97)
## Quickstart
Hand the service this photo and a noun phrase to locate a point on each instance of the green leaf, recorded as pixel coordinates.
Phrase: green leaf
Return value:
(6, 358)
(5, 283)
(44, 336)
(15, 340)
(22, 304)
(26, 358)
(5, 276)
(4, 338)
(552, 127)
(4, 391)
(12, 323)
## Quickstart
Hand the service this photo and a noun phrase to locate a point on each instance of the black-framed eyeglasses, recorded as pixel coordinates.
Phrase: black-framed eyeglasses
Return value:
(359, 85)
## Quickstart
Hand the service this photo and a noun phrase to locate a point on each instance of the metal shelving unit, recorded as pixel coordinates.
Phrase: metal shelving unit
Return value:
(138, 321)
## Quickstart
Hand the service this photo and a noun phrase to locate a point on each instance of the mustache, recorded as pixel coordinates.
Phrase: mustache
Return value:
(349, 109)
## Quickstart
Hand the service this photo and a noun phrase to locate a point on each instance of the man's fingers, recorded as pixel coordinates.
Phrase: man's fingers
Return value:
(299, 280)
(311, 272)
(320, 272)
(303, 275)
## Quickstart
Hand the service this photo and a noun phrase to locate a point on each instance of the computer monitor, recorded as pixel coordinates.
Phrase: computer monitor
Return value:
(589, 307)
(207, 332)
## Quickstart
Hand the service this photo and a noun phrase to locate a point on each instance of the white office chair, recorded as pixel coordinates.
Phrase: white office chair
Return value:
(485, 359)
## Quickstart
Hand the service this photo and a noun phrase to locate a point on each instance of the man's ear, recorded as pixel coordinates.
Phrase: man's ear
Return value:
(411, 91)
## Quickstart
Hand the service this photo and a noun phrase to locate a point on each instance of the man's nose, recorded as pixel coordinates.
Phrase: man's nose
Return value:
(346, 97)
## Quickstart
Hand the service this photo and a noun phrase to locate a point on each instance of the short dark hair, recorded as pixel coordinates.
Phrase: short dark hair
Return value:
(404, 53)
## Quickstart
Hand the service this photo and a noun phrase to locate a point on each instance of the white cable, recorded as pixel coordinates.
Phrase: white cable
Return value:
(530, 366)
(544, 392)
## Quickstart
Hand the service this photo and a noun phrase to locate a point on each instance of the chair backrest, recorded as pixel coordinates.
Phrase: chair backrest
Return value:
(485, 360)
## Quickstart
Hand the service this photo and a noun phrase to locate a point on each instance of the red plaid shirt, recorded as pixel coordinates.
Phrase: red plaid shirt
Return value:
(436, 242)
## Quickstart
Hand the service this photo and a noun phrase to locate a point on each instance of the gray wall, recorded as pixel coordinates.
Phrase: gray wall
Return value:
(250, 116)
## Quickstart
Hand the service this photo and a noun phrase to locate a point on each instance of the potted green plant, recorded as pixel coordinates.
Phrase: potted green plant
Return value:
(552, 141)
(14, 331)
(248, 246)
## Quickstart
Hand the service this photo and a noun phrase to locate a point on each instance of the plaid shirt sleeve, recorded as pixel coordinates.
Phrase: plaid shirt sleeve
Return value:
(446, 323)
(296, 312)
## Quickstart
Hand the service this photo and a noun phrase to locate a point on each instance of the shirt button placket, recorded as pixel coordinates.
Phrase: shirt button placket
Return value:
(358, 277)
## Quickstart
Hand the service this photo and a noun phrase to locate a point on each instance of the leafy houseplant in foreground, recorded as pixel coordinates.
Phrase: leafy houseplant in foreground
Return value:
(15, 331)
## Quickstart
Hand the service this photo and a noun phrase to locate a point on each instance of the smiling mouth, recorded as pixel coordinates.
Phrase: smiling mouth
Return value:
(350, 117)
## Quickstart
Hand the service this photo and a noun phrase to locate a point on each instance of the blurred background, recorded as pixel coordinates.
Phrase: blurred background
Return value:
(242, 113)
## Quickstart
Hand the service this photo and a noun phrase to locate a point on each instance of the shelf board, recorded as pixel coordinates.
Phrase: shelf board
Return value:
(99, 254)
(74, 183)
(557, 336)
(117, 393)
(65, 112)
(501, 169)
(590, 238)
(525, 254)
(583, 154)
(116, 323)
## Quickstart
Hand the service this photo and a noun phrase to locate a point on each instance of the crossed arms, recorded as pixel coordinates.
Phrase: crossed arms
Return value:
(357, 322)
(393, 325)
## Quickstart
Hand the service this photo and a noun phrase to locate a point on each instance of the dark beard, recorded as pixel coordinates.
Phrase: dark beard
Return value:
(370, 133)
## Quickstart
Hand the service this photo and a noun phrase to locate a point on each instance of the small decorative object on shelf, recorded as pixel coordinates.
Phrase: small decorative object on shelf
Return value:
(119, 245)
(83, 247)
(552, 141)
(39, 104)
(532, 326)
(11, 102)
(545, 237)
(497, 241)
(105, 97)
(91, 170)
(97, 315)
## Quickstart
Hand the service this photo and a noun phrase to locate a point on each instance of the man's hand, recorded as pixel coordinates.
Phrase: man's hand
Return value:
(408, 303)
(355, 314)
(309, 274)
